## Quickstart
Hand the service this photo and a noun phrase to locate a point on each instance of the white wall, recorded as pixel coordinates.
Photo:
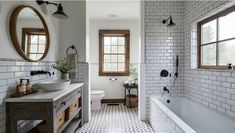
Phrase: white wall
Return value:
(7, 49)
(113, 89)
(73, 30)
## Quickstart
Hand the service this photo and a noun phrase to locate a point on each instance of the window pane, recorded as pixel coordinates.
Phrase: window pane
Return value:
(106, 58)
(113, 58)
(209, 32)
(227, 52)
(113, 67)
(106, 66)
(121, 58)
(33, 56)
(107, 40)
(107, 49)
(121, 49)
(41, 48)
(114, 49)
(34, 39)
(121, 67)
(208, 54)
(226, 26)
(33, 49)
(121, 40)
(39, 56)
(114, 41)
(42, 39)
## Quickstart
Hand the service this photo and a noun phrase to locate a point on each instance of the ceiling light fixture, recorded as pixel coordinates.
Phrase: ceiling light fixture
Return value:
(59, 13)
(170, 24)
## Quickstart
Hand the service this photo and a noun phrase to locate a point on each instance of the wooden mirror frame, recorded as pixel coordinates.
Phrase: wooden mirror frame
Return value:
(14, 37)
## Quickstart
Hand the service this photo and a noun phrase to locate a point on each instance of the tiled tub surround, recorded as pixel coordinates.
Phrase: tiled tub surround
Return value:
(213, 88)
(162, 44)
(11, 70)
(182, 115)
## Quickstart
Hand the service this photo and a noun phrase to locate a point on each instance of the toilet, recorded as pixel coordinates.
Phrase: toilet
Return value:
(96, 97)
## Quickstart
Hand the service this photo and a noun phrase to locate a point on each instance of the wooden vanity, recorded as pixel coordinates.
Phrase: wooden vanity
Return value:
(58, 108)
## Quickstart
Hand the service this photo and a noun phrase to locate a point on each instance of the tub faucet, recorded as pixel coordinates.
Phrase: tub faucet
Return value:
(166, 90)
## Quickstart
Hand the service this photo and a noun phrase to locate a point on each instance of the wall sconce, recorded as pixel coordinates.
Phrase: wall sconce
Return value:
(59, 13)
(170, 24)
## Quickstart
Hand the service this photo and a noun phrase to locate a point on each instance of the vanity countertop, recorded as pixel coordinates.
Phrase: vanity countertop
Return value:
(42, 96)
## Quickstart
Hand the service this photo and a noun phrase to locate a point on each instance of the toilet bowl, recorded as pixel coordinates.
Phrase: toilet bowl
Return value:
(96, 97)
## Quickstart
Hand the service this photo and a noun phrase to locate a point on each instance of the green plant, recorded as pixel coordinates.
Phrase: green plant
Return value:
(133, 72)
(64, 66)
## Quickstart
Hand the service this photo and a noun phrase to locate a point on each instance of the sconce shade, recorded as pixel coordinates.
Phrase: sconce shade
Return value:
(60, 13)
(171, 23)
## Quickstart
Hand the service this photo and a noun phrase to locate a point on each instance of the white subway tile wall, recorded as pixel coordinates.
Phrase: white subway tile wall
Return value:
(213, 88)
(162, 45)
(11, 71)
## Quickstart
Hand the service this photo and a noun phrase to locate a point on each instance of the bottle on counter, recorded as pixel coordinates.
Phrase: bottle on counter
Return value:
(22, 88)
(28, 86)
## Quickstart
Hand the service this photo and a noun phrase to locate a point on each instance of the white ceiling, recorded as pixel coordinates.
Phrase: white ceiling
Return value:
(105, 10)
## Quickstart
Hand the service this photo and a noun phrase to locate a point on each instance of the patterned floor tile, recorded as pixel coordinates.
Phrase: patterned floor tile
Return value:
(115, 119)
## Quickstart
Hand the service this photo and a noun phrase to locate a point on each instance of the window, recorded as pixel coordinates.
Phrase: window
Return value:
(216, 40)
(33, 42)
(114, 52)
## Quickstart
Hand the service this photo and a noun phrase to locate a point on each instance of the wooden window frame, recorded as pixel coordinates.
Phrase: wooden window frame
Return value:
(199, 26)
(31, 31)
(102, 34)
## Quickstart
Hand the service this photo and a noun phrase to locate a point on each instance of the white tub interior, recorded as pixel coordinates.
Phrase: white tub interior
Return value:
(201, 118)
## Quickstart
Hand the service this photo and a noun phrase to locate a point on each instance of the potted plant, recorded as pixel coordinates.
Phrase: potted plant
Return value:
(64, 66)
(133, 74)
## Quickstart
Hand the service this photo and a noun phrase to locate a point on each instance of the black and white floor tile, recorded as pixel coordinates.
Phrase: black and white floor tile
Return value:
(115, 119)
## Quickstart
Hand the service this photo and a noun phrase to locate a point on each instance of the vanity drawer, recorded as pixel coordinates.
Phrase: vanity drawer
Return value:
(64, 102)
(60, 120)
(72, 109)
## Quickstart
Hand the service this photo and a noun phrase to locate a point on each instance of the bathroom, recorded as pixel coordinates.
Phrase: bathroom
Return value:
(206, 91)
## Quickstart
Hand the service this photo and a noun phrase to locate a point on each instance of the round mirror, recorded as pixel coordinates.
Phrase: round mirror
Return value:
(29, 33)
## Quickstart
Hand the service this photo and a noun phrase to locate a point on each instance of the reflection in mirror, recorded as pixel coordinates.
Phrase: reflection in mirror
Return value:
(31, 34)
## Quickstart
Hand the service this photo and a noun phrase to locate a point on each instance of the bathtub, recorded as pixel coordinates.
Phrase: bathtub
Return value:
(182, 115)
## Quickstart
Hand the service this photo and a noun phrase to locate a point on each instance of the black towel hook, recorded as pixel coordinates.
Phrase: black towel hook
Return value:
(71, 47)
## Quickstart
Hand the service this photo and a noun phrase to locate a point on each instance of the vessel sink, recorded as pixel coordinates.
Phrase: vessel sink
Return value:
(55, 85)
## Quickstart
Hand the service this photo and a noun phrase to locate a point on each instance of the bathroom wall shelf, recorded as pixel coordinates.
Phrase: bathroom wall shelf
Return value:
(45, 106)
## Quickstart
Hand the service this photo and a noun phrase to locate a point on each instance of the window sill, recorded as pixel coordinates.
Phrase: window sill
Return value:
(221, 69)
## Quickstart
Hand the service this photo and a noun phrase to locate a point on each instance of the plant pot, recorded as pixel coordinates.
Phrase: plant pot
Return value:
(65, 76)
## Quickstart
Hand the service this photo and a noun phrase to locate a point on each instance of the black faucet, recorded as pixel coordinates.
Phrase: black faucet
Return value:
(33, 73)
(47, 72)
(166, 90)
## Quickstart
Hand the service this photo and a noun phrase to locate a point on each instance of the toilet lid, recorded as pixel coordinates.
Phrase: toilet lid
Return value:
(97, 92)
